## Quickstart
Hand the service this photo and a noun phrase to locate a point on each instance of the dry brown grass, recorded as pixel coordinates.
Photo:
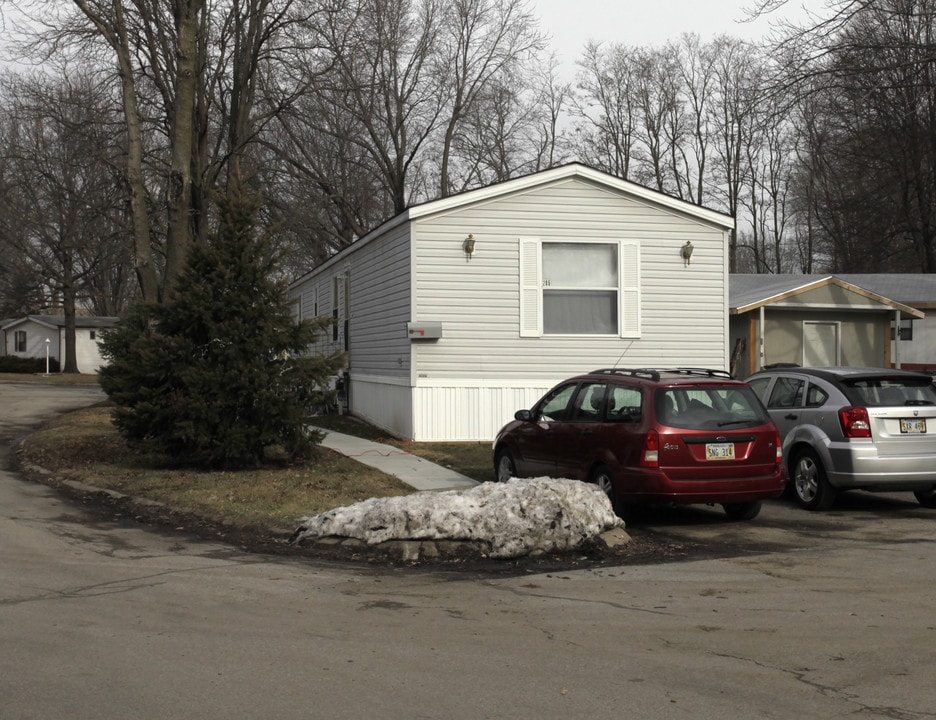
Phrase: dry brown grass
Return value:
(84, 446)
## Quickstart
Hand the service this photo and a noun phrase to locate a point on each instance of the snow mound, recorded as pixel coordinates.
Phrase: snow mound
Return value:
(517, 518)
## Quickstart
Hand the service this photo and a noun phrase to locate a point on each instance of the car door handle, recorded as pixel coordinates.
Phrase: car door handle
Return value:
(790, 416)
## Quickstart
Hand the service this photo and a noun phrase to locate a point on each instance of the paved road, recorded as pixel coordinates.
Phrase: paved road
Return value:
(102, 619)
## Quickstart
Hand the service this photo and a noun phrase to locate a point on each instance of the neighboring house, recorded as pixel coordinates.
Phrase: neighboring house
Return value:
(817, 320)
(916, 349)
(26, 337)
(460, 311)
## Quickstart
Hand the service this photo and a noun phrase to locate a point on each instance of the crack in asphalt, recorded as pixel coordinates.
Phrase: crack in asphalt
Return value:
(110, 587)
(800, 675)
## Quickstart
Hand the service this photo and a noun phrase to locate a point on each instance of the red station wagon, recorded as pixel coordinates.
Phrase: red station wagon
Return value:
(685, 435)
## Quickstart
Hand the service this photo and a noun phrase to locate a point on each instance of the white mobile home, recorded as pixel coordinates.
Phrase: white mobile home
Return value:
(460, 311)
(35, 336)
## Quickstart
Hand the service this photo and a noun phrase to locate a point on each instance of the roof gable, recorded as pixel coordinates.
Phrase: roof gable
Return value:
(525, 184)
(58, 321)
(565, 172)
(749, 292)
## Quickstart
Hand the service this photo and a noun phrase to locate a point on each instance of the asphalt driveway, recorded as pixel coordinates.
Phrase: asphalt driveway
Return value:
(818, 616)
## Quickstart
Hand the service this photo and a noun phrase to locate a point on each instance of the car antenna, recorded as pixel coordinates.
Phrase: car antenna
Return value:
(621, 356)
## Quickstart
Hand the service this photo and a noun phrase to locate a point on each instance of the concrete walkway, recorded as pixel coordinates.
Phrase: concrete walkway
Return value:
(414, 471)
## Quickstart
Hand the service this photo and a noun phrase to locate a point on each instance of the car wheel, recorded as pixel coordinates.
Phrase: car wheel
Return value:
(811, 487)
(601, 476)
(926, 498)
(504, 466)
(742, 511)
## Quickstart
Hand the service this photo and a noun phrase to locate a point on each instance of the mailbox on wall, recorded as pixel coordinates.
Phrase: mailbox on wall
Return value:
(431, 330)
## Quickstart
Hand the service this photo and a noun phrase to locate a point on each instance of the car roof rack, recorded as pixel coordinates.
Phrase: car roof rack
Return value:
(654, 373)
(708, 372)
(631, 372)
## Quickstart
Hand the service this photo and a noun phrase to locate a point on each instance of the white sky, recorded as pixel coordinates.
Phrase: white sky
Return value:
(572, 23)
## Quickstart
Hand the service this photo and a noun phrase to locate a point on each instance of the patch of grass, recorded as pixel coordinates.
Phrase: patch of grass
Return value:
(468, 458)
(84, 446)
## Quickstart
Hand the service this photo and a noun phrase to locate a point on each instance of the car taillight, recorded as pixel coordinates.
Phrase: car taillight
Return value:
(779, 447)
(855, 422)
(650, 454)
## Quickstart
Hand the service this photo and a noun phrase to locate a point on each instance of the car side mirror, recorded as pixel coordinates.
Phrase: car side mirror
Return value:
(523, 416)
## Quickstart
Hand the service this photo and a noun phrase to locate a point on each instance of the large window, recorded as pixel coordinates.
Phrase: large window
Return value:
(579, 288)
(19, 341)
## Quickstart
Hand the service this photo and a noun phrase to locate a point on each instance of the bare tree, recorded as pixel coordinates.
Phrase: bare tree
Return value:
(482, 40)
(193, 95)
(60, 214)
(868, 73)
(606, 109)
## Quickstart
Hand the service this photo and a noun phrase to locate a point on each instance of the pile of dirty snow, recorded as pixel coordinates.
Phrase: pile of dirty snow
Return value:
(517, 518)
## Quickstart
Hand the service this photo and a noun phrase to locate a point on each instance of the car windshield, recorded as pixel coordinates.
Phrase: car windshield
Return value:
(885, 391)
(709, 408)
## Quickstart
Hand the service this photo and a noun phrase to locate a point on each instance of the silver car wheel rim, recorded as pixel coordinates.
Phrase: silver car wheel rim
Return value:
(806, 484)
(604, 482)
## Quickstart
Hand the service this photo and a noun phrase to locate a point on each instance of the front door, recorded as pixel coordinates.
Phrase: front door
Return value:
(821, 344)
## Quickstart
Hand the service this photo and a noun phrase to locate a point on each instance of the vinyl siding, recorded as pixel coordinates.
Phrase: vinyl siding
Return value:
(683, 309)
(378, 278)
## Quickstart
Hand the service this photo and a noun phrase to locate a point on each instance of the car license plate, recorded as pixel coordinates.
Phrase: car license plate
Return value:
(719, 451)
(916, 425)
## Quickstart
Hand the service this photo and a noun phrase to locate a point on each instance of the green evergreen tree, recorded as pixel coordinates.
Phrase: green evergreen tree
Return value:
(214, 378)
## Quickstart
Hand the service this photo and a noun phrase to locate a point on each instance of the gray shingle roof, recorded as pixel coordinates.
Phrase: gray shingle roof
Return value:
(909, 289)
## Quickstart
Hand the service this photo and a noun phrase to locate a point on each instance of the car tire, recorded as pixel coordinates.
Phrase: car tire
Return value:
(601, 476)
(504, 466)
(926, 498)
(742, 511)
(811, 488)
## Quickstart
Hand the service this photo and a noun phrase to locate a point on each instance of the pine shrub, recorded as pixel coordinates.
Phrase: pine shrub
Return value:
(212, 377)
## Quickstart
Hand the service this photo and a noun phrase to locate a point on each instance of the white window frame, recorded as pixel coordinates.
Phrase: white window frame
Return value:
(531, 286)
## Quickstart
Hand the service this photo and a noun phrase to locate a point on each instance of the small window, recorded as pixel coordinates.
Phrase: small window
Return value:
(787, 393)
(19, 341)
(555, 405)
(624, 405)
(93, 337)
(815, 396)
(906, 330)
(589, 403)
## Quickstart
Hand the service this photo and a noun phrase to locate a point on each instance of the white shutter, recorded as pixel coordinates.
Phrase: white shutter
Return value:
(630, 289)
(531, 282)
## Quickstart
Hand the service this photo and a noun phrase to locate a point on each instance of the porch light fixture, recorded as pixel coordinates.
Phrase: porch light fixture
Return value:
(686, 252)
(469, 246)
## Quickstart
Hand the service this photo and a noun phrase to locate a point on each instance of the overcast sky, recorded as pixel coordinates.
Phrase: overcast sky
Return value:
(572, 23)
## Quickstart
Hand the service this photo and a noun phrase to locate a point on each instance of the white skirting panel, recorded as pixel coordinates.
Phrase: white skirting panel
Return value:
(385, 403)
(468, 411)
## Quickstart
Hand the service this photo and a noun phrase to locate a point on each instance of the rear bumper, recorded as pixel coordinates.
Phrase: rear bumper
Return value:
(859, 466)
(656, 486)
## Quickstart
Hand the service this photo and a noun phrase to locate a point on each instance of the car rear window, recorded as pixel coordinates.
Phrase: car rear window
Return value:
(709, 408)
(884, 391)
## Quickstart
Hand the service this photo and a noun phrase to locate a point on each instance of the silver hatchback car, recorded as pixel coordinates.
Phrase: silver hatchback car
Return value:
(853, 428)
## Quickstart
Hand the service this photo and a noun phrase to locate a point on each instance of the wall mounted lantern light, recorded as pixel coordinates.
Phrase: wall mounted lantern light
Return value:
(469, 246)
(686, 252)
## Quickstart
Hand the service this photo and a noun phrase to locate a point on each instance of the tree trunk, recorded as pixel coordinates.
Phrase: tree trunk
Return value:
(181, 232)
